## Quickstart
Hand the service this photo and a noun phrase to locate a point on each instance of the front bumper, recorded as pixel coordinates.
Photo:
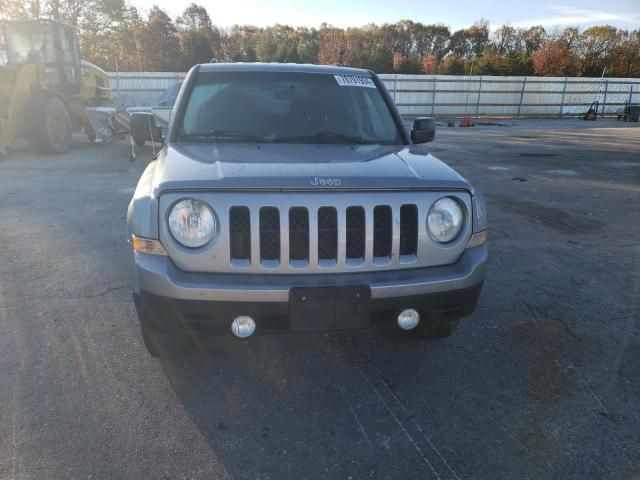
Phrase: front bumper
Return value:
(174, 300)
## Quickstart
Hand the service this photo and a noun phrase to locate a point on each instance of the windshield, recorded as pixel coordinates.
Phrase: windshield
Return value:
(287, 108)
(27, 45)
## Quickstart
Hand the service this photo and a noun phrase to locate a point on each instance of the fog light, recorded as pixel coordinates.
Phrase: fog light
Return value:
(408, 319)
(243, 326)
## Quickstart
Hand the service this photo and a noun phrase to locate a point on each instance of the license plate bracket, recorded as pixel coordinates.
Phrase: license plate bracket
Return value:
(329, 308)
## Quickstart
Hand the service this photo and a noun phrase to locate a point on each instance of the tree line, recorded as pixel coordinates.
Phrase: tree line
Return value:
(115, 35)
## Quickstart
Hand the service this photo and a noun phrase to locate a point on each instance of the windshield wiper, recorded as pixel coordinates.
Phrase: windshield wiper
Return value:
(325, 137)
(223, 135)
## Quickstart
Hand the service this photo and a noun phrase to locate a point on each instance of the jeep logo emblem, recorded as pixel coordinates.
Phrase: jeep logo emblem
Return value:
(325, 182)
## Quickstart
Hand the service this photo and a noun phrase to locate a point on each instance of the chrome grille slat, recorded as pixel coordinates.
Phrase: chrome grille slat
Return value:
(313, 236)
(423, 235)
(254, 222)
(395, 234)
(342, 237)
(368, 243)
(284, 237)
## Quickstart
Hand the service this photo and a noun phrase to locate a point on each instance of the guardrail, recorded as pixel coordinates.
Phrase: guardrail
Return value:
(456, 96)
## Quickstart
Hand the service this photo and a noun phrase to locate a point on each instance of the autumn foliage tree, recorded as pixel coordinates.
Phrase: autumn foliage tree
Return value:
(196, 36)
(429, 64)
(115, 34)
(596, 48)
(331, 46)
(555, 59)
(159, 44)
(626, 56)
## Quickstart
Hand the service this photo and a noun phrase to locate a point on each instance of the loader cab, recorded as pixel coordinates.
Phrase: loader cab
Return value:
(49, 43)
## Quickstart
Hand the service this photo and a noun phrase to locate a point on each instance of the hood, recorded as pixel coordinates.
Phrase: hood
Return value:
(279, 167)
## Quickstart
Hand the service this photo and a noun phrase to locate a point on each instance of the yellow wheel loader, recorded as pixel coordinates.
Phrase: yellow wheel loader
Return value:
(44, 86)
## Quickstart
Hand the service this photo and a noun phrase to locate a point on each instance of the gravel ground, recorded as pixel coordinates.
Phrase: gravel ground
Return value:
(541, 382)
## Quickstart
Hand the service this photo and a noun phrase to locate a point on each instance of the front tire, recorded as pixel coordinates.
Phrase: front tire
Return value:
(51, 126)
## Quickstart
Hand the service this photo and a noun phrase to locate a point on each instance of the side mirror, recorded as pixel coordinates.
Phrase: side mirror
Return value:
(424, 130)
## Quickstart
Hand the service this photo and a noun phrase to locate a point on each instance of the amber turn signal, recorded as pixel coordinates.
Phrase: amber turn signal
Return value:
(146, 245)
(479, 238)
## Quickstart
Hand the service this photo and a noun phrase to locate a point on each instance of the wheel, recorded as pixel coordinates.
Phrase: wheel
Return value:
(140, 141)
(51, 126)
(161, 344)
(436, 329)
(90, 133)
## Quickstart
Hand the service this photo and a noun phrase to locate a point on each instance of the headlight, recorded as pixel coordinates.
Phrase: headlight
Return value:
(192, 223)
(445, 219)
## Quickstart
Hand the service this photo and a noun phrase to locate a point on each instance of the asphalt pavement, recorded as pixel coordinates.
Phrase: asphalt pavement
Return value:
(543, 381)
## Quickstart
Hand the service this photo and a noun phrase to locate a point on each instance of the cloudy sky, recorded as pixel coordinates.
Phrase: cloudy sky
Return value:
(455, 14)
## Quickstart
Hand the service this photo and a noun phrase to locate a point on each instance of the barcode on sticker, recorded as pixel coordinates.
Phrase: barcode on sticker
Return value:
(354, 81)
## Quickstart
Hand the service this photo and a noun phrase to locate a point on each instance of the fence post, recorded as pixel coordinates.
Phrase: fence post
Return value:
(478, 99)
(433, 96)
(524, 84)
(395, 86)
(604, 101)
(564, 89)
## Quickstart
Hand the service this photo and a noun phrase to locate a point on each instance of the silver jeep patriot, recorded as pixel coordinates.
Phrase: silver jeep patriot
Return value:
(291, 198)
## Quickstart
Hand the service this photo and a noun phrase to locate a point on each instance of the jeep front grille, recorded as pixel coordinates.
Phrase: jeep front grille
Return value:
(324, 236)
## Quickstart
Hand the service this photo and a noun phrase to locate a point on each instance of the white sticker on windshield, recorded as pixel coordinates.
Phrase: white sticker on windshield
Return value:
(354, 81)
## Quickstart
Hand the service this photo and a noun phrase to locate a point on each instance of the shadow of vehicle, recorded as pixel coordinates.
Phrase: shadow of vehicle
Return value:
(295, 406)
